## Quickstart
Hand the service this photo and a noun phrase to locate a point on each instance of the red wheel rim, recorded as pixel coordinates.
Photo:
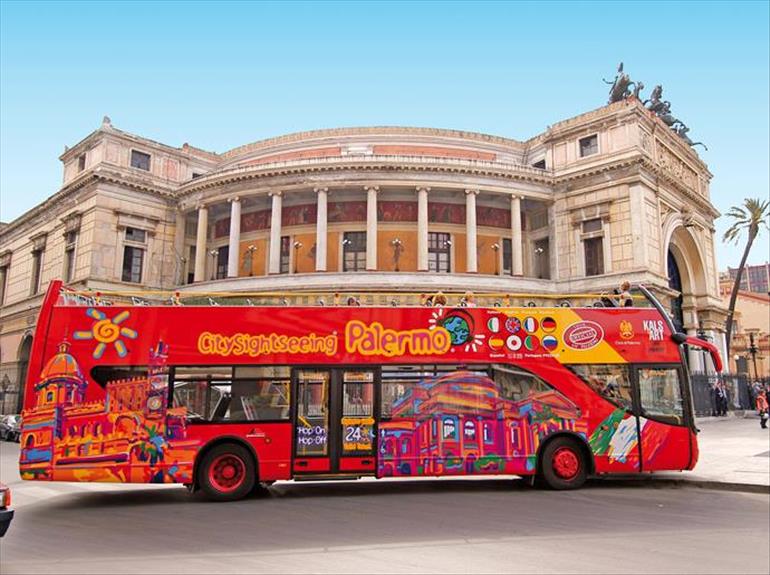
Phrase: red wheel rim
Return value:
(227, 473)
(566, 463)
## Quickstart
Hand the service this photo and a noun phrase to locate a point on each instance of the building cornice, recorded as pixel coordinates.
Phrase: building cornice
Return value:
(366, 163)
(83, 180)
(310, 135)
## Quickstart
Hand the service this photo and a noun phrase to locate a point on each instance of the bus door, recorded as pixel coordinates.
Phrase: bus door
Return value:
(664, 418)
(334, 424)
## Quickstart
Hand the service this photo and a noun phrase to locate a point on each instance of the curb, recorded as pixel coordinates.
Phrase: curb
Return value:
(659, 481)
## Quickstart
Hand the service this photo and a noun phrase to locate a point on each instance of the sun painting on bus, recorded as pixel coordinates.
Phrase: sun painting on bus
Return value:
(129, 436)
(458, 423)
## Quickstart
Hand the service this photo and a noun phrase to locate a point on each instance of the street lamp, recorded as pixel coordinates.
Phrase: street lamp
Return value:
(496, 249)
(250, 258)
(398, 247)
(753, 351)
(213, 254)
(297, 245)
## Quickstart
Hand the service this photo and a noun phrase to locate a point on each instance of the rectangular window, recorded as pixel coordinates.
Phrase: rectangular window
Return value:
(661, 394)
(312, 430)
(507, 256)
(133, 258)
(285, 254)
(439, 245)
(81, 162)
(590, 226)
(191, 266)
(223, 254)
(611, 381)
(516, 384)
(3, 282)
(402, 384)
(70, 241)
(354, 251)
(136, 235)
(140, 160)
(589, 146)
(594, 256)
(37, 268)
(224, 393)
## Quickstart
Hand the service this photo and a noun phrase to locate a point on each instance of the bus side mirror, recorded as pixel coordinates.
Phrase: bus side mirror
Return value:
(679, 337)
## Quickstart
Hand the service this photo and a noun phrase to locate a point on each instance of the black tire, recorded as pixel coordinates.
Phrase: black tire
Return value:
(563, 464)
(227, 472)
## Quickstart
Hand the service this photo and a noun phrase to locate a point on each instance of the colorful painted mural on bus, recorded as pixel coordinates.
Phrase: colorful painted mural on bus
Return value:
(129, 436)
(616, 437)
(459, 423)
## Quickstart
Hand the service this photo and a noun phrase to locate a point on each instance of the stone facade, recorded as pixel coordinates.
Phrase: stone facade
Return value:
(597, 199)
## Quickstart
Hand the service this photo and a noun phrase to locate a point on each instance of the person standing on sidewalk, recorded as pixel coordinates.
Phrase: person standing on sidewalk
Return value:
(762, 409)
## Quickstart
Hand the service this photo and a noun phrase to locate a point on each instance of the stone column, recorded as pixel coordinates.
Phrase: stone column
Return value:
(638, 207)
(694, 354)
(321, 229)
(422, 229)
(180, 257)
(200, 244)
(553, 247)
(607, 245)
(517, 259)
(235, 237)
(371, 227)
(275, 234)
(471, 246)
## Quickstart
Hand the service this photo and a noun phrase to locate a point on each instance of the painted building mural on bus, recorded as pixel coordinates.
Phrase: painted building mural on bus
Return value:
(458, 423)
(129, 436)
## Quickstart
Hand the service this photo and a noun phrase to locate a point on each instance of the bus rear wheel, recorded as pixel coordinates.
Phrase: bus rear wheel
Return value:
(227, 472)
(563, 464)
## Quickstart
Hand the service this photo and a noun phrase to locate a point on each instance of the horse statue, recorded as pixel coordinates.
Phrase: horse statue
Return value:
(656, 104)
(681, 131)
(620, 86)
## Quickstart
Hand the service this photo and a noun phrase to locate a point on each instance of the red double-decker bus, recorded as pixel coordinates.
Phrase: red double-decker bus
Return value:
(225, 397)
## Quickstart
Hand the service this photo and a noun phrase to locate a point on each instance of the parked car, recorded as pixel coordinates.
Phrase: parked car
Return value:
(6, 513)
(10, 427)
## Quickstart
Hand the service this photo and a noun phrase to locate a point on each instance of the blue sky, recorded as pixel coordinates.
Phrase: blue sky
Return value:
(225, 74)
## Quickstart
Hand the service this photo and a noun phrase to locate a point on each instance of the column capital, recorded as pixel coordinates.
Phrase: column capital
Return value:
(201, 207)
(232, 199)
(320, 190)
(516, 197)
(469, 192)
(374, 189)
(277, 193)
(423, 189)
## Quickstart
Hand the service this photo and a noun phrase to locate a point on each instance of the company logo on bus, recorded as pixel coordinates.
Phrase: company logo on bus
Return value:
(583, 335)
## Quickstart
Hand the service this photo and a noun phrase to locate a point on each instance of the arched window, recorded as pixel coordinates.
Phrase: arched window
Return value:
(30, 443)
(469, 430)
(49, 397)
(97, 428)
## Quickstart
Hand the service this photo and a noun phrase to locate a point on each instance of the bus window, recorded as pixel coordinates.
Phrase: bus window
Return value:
(661, 394)
(217, 393)
(611, 381)
(358, 393)
(517, 384)
(312, 413)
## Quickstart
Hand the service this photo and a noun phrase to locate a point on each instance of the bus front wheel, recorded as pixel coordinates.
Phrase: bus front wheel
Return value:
(563, 464)
(227, 472)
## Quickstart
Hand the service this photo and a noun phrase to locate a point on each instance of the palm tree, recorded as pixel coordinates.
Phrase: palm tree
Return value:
(751, 216)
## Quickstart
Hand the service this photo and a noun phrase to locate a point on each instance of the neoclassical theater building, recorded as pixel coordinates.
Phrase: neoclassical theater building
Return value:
(607, 196)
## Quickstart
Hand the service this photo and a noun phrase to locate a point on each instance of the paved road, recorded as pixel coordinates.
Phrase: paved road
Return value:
(444, 526)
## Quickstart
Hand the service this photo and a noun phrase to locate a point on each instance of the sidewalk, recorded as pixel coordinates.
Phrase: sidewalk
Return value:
(734, 454)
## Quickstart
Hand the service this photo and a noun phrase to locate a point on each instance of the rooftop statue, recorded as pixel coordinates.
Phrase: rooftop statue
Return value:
(621, 86)
(681, 131)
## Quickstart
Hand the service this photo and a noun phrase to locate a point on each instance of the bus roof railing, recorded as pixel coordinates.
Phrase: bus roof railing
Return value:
(342, 298)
